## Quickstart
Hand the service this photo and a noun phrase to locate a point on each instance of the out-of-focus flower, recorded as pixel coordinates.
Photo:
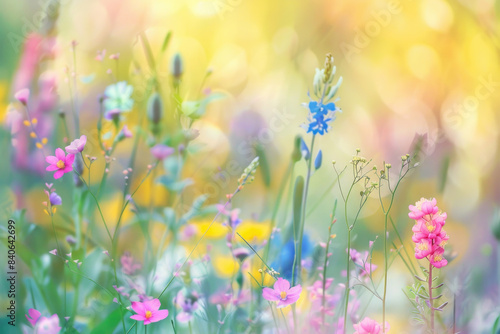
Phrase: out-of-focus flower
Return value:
(177, 66)
(188, 305)
(23, 96)
(129, 266)
(160, 151)
(370, 326)
(241, 253)
(43, 325)
(55, 199)
(155, 108)
(100, 55)
(48, 325)
(113, 115)
(77, 145)
(428, 233)
(118, 96)
(125, 132)
(282, 293)
(148, 311)
(33, 316)
(60, 163)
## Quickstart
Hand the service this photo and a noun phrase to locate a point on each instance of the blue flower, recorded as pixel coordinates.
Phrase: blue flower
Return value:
(321, 109)
(320, 116)
(118, 96)
(318, 124)
(286, 255)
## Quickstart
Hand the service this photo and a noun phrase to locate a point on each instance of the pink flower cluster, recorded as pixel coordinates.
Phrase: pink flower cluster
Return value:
(428, 233)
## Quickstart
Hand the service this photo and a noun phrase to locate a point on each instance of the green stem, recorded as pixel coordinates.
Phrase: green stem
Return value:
(298, 253)
(430, 298)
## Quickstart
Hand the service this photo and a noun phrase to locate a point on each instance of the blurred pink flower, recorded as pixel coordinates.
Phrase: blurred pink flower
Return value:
(126, 132)
(33, 316)
(160, 151)
(48, 325)
(282, 293)
(23, 96)
(129, 266)
(148, 311)
(188, 305)
(77, 145)
(369, 326)
(60, 163)
(43, 325)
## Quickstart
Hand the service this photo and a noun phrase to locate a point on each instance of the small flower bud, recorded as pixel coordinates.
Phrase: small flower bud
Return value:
(155, 108)
(177, 66)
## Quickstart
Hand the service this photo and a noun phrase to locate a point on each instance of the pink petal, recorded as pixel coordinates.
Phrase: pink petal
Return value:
(60, 154)
(69, 159)
(270, 294)
(51, 168)
(281, 285)
(152, 305)
(138, 317)
(138, 307)
(159, 315)
(51, 160)
(68, 168)
(296, 290)
(58, 174)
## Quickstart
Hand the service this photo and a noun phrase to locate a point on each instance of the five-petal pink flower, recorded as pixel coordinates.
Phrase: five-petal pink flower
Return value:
(60, 163)
(282, 293)
(148, 311)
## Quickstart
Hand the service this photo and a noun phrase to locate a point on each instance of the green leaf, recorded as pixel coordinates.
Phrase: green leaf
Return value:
(108, 324)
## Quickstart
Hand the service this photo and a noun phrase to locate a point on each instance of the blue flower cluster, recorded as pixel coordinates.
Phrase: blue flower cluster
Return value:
(320, 115)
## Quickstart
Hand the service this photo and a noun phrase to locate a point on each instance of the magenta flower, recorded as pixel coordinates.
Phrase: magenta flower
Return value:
(77, 145)
(428, 233)
(34, 315)
(43, 325)
(370, 326)
(148, 311)
(23, 96)
(160, 151)
(437, 258)
(60, 163)
(282, 293)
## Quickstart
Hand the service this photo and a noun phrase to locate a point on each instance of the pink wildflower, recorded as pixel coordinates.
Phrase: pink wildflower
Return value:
(48, 325)
(148, 311)
(129, 266)
(428, 233)
(282, 293)
(160, 151)
(370, 326)
(43, 325)
(77, 145)
(33, 316)
(23, 96)
(60, 163)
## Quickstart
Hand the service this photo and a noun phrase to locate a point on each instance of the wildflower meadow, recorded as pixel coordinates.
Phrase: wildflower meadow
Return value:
(237, 166)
